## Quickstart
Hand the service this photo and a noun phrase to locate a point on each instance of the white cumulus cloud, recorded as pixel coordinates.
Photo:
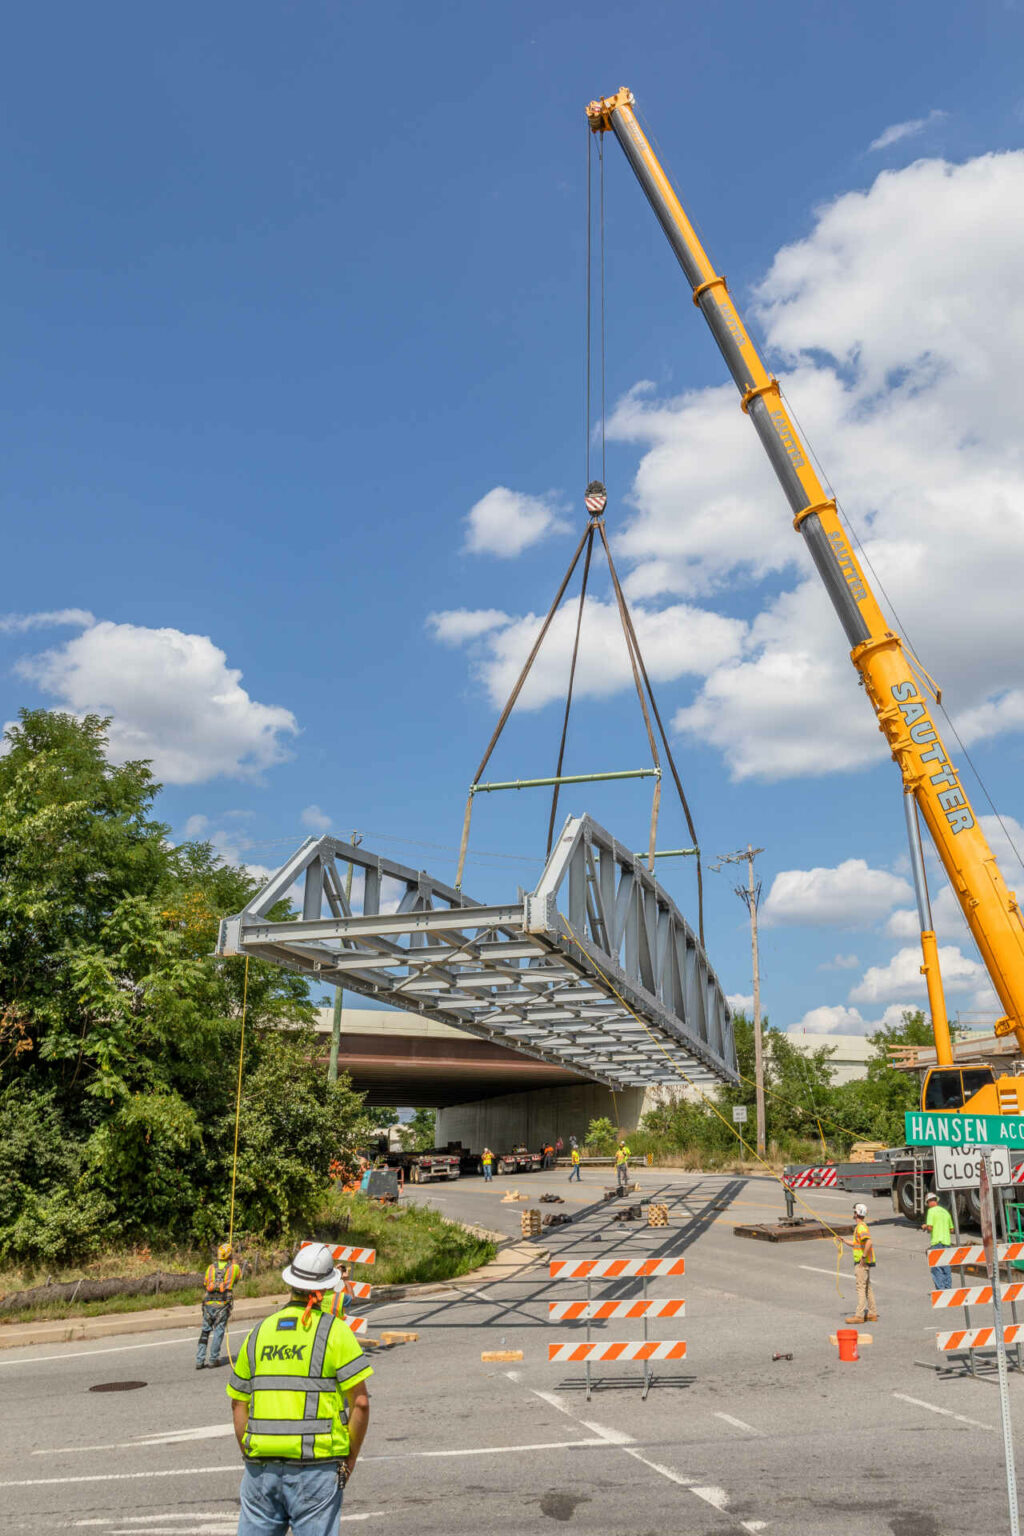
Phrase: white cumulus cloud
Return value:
(831, 1019)
(506, 522)
(902, 978)
(55, 618)
(677, 641)
(455, 626)
(315, 820)
(907, 130)
(904, 379)
(850, 895)
(173, 699)
(840, 963)
(741, 1002)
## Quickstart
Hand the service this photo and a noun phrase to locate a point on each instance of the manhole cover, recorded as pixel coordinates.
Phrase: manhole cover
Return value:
(117, 1386)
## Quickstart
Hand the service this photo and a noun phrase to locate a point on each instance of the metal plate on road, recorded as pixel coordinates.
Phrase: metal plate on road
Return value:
(960, 1167)
(961, 1130)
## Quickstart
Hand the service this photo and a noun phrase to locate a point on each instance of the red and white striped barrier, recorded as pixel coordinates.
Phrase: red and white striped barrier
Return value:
(979, 1338)
(357, 1324)
(973, 1255)
(975, 1296)
(598, 1309)
(638, 1349)
(358, 1288)
(354, 1255)
(813, 1178)
(1017, 1173)
(610, 1269)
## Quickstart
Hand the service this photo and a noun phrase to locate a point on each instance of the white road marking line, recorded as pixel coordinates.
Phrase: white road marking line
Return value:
(738, 1423)
(114, 1349)
(816, 1271)
(716, 1497)
(485, 1450)
(173, 1437)
(117, 1477)
(754, 1525)
(609, 1436)
(656, 1466)
(946, 1412)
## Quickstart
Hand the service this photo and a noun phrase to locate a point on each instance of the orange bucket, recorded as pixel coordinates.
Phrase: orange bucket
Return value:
(847, 1340)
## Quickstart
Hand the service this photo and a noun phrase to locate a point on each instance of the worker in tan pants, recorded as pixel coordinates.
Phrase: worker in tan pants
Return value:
(863, 1264)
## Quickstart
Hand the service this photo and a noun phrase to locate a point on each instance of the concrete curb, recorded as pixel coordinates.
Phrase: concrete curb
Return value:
(510, 1261)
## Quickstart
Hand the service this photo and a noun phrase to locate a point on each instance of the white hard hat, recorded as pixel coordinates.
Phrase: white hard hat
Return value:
(860, 1210)
(312, 1269)
(931, 1197)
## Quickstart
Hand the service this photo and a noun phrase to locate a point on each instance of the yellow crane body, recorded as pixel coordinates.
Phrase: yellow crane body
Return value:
(893, 685)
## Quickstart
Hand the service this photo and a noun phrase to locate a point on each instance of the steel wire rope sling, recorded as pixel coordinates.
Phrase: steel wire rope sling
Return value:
(596, 500)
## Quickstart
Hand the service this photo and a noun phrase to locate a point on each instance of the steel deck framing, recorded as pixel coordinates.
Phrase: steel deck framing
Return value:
(553, 975)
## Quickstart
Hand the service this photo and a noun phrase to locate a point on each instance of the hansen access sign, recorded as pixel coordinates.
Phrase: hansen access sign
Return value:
(960, 1130)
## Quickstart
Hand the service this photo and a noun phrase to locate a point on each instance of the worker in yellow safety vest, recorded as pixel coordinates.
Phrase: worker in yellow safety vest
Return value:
(334, 1302)
(622, 1164)
(219, 1282)
(487, 1163)
(300, 1407)
(574, 1156)
(863, 1264)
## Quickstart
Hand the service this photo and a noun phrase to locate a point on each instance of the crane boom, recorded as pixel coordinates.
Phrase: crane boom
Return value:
(900, 705)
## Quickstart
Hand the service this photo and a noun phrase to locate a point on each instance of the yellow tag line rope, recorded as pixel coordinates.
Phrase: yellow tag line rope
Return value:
(571, 935)
(238, 1119)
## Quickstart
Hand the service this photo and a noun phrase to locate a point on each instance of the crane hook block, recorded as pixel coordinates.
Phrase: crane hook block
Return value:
(595, 498)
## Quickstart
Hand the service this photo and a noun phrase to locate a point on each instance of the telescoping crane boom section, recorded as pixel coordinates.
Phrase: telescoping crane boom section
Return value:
(902, 710)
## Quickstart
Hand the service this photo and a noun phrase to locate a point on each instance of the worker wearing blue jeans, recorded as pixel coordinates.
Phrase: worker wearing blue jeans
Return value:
(939, 1226)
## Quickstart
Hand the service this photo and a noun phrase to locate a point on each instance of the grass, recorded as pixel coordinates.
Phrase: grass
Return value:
(414, 1245)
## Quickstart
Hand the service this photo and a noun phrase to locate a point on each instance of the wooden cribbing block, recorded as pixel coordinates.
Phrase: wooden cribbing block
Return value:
(657, 1215)
(501, 1356)
(391, 1337)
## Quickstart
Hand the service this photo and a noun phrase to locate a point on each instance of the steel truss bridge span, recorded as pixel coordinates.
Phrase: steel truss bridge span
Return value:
(596, 970)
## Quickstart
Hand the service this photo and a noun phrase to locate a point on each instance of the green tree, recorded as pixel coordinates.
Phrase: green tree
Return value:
(119, 1032)
(419, 1133)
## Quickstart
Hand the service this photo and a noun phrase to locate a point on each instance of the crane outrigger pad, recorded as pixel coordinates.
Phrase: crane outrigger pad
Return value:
(596, 970)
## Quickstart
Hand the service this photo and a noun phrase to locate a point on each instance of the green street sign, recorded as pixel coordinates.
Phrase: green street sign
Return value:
(923, 1129)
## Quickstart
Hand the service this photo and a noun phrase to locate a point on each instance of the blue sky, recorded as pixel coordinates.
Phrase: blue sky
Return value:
(289, 290)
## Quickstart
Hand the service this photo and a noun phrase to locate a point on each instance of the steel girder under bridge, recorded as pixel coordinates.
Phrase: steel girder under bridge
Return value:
(562, 988)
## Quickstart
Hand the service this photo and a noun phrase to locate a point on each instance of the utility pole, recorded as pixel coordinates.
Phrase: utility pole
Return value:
(750, 895)
(332, 1069)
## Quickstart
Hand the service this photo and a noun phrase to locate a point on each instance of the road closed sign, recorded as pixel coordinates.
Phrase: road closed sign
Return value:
(960, 1167)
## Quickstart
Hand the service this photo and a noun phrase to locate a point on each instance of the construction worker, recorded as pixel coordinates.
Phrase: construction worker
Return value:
(220, 1281)
(300, 1407)
(939, 1226)
(487, 1160)
(622, 1164)
(863, 1264)
(574, 1157)
(549, 1155)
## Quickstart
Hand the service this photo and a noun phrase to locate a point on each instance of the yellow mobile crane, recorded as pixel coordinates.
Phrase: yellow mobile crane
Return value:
(931, 785)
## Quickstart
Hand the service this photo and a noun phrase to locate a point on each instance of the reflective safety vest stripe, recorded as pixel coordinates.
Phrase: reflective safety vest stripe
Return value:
(862, 1244)
(295, 1370)
(219, 1281)
(334, 1304)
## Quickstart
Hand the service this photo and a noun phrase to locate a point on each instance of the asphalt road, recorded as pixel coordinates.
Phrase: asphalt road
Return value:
(728, 1440)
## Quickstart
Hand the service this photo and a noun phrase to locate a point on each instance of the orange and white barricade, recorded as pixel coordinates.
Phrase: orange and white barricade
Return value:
(588, 1310)
(968, 1338)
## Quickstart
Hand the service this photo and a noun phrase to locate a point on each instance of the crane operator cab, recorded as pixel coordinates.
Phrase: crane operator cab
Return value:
(974, 1088)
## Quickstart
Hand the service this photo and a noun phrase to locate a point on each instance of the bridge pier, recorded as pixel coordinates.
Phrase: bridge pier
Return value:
(540, 1115)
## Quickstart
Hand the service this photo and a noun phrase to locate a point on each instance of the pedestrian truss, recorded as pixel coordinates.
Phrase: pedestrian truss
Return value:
(596, 970)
